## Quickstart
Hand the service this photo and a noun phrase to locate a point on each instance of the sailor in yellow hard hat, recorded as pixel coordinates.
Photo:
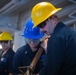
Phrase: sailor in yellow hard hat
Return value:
(6, 57)
(61, 47)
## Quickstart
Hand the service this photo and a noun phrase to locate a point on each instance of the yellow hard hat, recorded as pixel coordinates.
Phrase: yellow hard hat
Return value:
(42, 11)
(5, 36)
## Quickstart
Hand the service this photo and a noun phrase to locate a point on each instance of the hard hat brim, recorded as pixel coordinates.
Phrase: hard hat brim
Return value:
(33, 37)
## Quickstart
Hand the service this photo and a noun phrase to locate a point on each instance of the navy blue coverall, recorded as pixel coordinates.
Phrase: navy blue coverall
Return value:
(61, 52)
(6, 62)
(24, 57)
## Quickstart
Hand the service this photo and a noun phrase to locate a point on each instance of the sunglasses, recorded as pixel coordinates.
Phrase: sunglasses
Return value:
(3, 41)
(42, 25)
(32, 40)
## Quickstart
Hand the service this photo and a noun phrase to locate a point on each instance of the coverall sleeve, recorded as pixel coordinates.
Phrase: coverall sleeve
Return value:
(55, 56)
(10, 62)
(16, 63)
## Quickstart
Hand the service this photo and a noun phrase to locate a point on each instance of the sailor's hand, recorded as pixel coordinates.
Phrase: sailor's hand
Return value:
(44, 43)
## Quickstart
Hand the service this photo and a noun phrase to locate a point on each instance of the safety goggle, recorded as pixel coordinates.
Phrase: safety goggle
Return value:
(3, 41)
(32, 40)
(42, 25)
